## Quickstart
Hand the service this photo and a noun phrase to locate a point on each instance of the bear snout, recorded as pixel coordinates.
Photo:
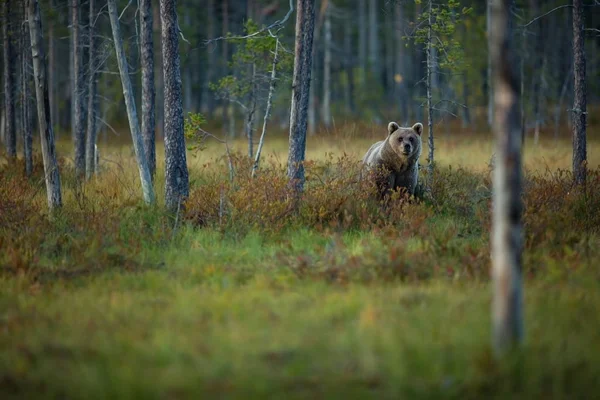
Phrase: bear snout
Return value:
(407, 148)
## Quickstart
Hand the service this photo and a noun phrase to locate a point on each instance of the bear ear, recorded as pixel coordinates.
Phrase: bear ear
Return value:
(392, 127)
(418, 127)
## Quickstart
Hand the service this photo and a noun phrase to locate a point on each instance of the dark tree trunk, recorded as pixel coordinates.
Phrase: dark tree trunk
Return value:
(9, 80)
(78, 128)
(507, 206)
(374, 56)
(208, 97)
(136, 135)
(400, 64)
(90, 156)
(176, 172)
(349, 67)
(51, 172)
(158, 73)
(538, 61)
(362, 40)
(52, 71)
(305, 23)
(580, 101)
(26, 114)
(147, 60)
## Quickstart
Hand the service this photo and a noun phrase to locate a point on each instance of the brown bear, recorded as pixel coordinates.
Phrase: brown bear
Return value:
(396, 158)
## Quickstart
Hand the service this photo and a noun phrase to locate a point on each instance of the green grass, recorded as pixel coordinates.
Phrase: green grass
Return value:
(107, 300)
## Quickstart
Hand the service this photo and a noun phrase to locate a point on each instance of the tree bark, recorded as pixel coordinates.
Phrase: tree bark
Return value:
(147, 60)
(52, 71)
(176, 173)
(400, 65)
(90, 156)
(580, 100)
(305, 23)
(374, 56)
(507, 206)
(138, 144)
(430, 137)
(9, 80)
(267, 110)
(158, 73)
(490, 78)
(78, 127)
(51, 173)
(26, 115)
(362, 41)
(326, 109)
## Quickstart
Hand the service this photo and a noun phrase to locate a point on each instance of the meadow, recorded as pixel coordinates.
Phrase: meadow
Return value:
(245, 294)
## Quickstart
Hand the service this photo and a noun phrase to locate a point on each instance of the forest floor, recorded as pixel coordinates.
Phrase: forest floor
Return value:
(247, 295)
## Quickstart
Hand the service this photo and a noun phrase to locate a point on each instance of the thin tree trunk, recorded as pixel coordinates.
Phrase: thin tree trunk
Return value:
(507, 206)
(326, 109)
(9, 80)
(90, 156)
(138, 143)
(374, 56)
(580, 101)
(147, 60)
(349, 66)
(362, 41)
(51, 173)
(537, 55)
(176, 172)
(430, 157)
(490, 80)
(267, 110)
(400, 73)
(305, 23)
(210, 67)
(559, 103)
(522, 90)
(25, 64)
(158, 73)
(250, 113)
(78, 128)
(52, 71)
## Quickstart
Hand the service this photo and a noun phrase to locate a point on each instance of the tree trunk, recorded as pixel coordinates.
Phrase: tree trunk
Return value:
(52, 71)
(538, 61)
(250, 113)
(326, 110)
(147, 60)
(26, 115)
(158, 74)
(305, 24)
(176, 172)
(90, 156)
(580, 101)
(78, 127)
(507, 206)
(490, 80)
(374, 56)
(208, 99)
(349, 66)
(9, 80)
(362, 41)
(138, 144)
(430, 157)
(400, 65)
(51, 173)
(267, 110)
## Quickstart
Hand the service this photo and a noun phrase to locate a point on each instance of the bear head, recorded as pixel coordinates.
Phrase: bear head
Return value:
(406, 142)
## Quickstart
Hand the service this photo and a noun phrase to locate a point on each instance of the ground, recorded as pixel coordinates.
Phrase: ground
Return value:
(112, 299)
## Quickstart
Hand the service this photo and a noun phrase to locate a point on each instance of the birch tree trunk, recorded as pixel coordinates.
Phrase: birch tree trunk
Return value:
(268, 109)
(305, 24)
(138, 144)
(147, 61)
(51, 173)
(9, 80)
(90, 153)
(26, 115)
(580, 100)
(326, 110)
(176, 172)
(507, 206)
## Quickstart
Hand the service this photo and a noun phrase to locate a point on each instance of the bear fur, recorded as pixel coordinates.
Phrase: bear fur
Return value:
(396, 158)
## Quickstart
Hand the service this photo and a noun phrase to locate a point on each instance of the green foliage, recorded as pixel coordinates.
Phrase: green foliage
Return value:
(445, 17)
(192, 129)
(251, 64)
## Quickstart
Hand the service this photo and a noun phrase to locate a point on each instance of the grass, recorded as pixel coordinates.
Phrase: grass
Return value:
(341, 299)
